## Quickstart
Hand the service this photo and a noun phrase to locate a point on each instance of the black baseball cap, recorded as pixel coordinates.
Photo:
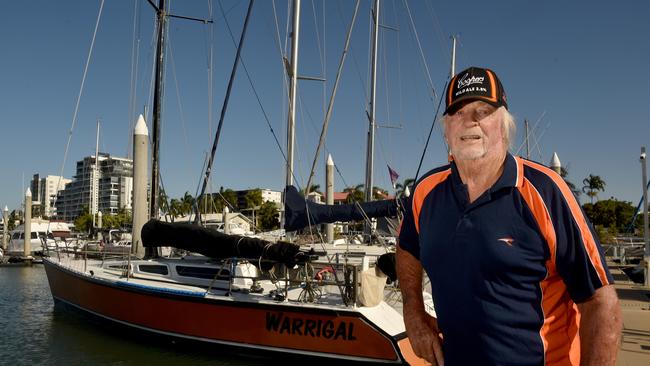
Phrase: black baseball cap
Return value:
(473, 84)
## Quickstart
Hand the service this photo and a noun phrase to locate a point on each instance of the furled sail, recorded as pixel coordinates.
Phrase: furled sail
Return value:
(300, 213)
(214, 244)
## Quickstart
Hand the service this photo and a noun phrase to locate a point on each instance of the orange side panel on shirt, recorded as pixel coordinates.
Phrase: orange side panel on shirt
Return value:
(422, 190)
(587, 238)
(559, 311)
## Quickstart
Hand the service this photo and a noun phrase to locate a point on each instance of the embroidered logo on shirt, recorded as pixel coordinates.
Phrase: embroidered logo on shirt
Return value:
(508, 241)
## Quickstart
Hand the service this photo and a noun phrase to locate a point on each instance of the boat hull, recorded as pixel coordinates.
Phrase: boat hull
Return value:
(282, 328)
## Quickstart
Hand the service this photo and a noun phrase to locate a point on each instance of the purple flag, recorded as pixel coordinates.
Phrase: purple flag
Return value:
(393, 176)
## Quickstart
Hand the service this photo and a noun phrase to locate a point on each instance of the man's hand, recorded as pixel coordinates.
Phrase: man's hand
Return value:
(423, 333)
(421, 328)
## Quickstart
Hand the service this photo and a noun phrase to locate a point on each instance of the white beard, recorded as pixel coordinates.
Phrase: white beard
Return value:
(471, 152)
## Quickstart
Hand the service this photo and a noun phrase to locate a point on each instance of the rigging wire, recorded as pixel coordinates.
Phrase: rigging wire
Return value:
(181, 111)
(531, 132)
(354, 59)
(209, 37)
(437, 30)
(318, 43)
(257, 97)
(384, 71)
(426, 145)
(76, 108)
(424, 61)
(328, 114)
(321, 53)
(285, 80)
(539, 139)
(399, 67)
(153, 70)
(277, 28)
(286, 31)
(282, 56)
(224, 106)
(324, 61)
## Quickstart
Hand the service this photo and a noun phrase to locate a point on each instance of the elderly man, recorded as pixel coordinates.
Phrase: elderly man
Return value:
(518, 276)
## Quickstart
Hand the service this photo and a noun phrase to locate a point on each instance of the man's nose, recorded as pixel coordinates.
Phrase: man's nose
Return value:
(471, 118)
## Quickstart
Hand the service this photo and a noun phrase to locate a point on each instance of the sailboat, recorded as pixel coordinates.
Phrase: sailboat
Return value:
(244, 293)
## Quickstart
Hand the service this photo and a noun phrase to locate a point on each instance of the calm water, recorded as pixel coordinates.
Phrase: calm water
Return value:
(35, 332)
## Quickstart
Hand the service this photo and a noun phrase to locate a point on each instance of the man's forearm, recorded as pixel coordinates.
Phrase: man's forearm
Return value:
(409, 273)
(600, 328)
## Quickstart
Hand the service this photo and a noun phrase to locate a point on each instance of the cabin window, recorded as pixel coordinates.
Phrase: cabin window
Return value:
(153, 268)
(203, 272)
(119, 266)
(34, 235)
(16, 236)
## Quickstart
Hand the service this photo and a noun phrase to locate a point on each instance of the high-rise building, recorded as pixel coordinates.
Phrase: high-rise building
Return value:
(44, 191)
(106, 186)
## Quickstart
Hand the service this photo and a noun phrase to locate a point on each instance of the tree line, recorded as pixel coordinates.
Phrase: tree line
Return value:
(610, 217)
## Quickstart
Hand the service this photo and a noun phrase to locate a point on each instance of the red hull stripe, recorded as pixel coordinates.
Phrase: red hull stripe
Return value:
(285, 328)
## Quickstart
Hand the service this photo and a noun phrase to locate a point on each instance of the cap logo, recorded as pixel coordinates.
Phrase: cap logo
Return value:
(465, 82)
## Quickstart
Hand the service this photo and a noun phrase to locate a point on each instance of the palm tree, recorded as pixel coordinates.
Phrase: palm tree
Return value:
(312, 188)
(593, 184)
(175, 207)
(227, 198)
(187, 203)
(164, 201)
(355, 194)
(401, 187)
(253, 198)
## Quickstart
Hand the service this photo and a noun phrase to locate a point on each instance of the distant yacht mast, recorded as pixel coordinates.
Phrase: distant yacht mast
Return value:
(293, 85)
(157, 109)
(371, 109)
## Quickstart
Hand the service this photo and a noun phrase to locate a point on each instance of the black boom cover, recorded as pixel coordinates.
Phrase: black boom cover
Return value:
(300, 213)
(214, 244)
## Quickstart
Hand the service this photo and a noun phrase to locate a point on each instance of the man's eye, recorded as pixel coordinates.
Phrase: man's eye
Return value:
(482, 113)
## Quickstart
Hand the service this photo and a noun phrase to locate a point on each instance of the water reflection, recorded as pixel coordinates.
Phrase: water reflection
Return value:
(35, 332)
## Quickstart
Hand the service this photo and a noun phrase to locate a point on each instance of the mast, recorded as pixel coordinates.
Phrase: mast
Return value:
(452, 71)
(371, 112)
(293, 85)
(157, 109)
(646, 241)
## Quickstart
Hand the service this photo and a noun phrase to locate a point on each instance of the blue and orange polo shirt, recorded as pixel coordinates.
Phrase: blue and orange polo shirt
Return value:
(506, 270)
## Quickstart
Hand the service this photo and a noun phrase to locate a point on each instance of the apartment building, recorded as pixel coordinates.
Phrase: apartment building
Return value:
(102, 184)
(44, 192)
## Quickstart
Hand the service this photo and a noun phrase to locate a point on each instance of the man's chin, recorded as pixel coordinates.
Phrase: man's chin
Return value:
(469, 155)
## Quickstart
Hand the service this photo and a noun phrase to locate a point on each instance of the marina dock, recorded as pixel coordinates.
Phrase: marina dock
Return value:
(635, 306)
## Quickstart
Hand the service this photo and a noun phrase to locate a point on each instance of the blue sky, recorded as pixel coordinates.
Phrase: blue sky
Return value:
(579, 66)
